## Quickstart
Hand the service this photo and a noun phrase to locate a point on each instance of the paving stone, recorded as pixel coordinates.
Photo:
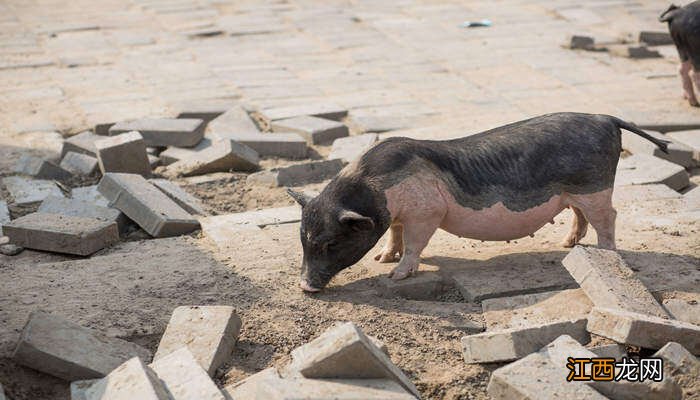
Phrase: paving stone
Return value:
(683, 306)
(181, 132)
(297, 174)
(233, 122)
(485, 282)
(82, 143)
(81, 208)
(655, 38)
(58, 347)
(209, 332)
(184, 377)
(173, 154)
(637, 193)
(633, 51)
(223, 155)
(27, 192)
(131, 380)
(123, 153)
(321, 110)
(89, 194)
(615, 351)
(142, 202)
(678, 153)
(315, 130)
(609, 282)
(61, 233)
(535, 309)
(153, 161)
(78, 389)
(643, 330)
(260, 218)
(287, 145)
(185, 200)
(580, 42)
(681, 367)
(345, 352)
(4, 215)
(79, 164)
(424, 286)
(665, 125)
(40, 168)
(205, 110)
(514, 343)
(352, 147)
(689, 138)
(643, 169)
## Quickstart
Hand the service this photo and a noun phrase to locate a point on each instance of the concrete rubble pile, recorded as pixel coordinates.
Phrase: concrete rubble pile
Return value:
(540, 333)
(342, 363)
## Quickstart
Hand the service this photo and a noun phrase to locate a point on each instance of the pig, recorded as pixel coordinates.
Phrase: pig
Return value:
(498, 185)
(684, 25)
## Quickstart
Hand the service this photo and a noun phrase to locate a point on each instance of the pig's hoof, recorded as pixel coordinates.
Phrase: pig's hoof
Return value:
(402, 272)
(387, 257)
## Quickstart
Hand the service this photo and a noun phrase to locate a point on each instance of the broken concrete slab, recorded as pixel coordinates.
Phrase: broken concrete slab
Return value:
(221, 156)
(315, 130)
(28, 192)
(678, 153)
(209, 332)
(163, 132)
(533, 309)
(78, 389)
(58, 347)
(643, 169)
(690, 138)
(40, 168)
(184, 377)
(173, 154)
(185, 200)
(89, 194)
(514, 343)
(142, 202)
(643, 330)
(681, 367)
(79, 164)
(297, 174)
(351, 148)
(609, 282)
(62, 233)
(82, 143)
(123, 153)
(80, 208)
(321, 110)
(233, 122)
(489, 281)
(424, 286)
(131, 380)
(683, 306)
(655, 38)
(287, 145)
(345, 352)
(260, 218)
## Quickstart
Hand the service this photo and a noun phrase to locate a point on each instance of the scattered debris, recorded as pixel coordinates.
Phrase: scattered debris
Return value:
(79, 164)
(82, 143)
(123, 153)
(81, 208)
(182, 132)
(223, 155)
(40, 168)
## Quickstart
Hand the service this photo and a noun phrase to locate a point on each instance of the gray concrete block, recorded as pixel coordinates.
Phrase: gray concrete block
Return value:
(286, 145)
(79, 164)
(58, 347)
(80, 208)
(173, 154)
(205, 109)
(40, 168)
(637, 52)
(643, 330)
(184, 377)
(297, 174)
(690, 138)
(609, 282)
(643, 169)
(221, 156)
(78, 389)
(514, 343)
(89, 194)
(82, 143)
(61, 233)
(615, 351)
(315, 130)
(683, 306)
(4, 215)
(535, 309)
(679, 358)
(131, 380)
(424, 286)
(260, 218)
(351, 148)
(678, 153)
(233, 122)
(209, 332)
(655, 38)
(181, 132)
(490, 281)
(150, 208)
(153, 161)
(27, 192)
(580, 42)
(185, 200)
(345, 352)
(123, 153)
(321, 110)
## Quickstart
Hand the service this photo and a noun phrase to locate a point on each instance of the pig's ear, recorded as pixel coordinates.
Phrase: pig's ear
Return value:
(356, 221)
(299, 197)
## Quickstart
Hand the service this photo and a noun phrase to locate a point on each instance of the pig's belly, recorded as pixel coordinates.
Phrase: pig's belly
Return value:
(497, 222)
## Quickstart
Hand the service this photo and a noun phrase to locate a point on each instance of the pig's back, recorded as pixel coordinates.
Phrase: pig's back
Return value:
(522, 164)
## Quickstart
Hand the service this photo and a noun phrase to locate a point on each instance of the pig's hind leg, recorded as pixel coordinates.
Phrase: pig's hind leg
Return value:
(597, 208)
(393, 245)
(686, 70)
(578, 229)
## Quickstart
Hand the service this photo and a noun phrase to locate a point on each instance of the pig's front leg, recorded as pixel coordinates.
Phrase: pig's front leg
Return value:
(686, 70)
(393, 245)
(416, 235)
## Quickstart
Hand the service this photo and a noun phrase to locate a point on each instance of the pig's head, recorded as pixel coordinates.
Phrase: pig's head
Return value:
(337, 232)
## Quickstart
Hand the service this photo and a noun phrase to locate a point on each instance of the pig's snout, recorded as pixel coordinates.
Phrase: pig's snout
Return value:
(305, 286)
